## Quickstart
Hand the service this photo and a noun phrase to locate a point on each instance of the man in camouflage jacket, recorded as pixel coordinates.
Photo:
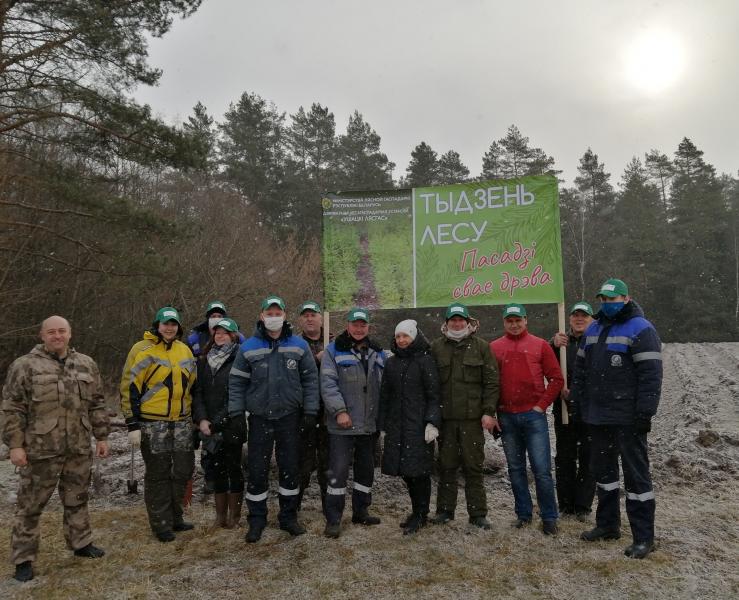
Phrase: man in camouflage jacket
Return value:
(52, 402)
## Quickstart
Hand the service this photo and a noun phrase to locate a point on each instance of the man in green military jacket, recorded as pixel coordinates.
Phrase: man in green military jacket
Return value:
(469, 397)
(52, 403)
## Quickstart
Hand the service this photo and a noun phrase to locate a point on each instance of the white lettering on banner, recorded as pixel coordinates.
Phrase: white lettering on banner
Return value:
(492, 197)
(453, 233)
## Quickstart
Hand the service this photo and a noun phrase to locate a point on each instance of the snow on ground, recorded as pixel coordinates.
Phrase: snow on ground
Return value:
(695, 457)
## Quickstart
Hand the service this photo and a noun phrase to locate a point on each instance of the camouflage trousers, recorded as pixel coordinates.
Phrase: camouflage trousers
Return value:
(167, 448)
(37, 483)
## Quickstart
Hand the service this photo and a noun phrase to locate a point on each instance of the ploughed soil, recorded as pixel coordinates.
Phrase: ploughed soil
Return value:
(695, 459)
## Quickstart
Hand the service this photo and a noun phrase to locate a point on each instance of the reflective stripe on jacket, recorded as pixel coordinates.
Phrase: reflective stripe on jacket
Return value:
(161, 378)
(272, 378)
(345, 387)
(618, 370)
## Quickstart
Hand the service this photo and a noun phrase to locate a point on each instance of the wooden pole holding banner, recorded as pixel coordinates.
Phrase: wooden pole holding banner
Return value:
(563, 360)
(326, 327)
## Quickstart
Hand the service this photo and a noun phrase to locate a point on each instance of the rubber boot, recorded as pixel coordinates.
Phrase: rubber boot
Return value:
(234, 509)
(221, 510)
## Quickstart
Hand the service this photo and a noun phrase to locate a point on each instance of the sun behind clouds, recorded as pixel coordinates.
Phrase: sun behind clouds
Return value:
(654, 61)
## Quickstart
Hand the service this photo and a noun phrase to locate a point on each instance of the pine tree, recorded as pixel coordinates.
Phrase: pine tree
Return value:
(660, 170)
(423, 168)
(361, 164)
(511, 157)
(451, 169)
(699, 233)
(585, 211)
(640, 226)
(252, 153)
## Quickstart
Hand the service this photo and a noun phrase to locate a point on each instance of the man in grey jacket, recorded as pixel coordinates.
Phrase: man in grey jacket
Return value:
(351, 371)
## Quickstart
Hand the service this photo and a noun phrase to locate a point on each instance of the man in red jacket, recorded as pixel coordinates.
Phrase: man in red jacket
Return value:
(524, 361)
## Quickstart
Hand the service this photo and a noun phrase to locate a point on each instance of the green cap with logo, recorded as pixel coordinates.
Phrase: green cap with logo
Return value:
(228, 325)
(273, 300)
(613, 288)
(456, 309)
(514, 310)
(309, 305)
(582, 306)
(358, 314)
(167, 313)
(215, 306)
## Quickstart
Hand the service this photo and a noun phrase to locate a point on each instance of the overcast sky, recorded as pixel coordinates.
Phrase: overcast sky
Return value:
(620, 76)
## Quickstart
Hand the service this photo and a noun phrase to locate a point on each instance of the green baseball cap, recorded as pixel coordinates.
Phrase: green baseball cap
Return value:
(514, 310)
(583, 306)
(455, 309)
(215, 306)
(358, 314)
(167, 313)
(228, 325)
(271, 300)
(613, 288)
(309, 305)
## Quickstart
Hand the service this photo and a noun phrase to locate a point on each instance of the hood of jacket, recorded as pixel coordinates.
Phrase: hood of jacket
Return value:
(345, 342)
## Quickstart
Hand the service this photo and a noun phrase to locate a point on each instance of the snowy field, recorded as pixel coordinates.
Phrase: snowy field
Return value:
(695, 457)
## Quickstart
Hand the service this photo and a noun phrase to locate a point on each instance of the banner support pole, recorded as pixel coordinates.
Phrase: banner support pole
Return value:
(326, 328)
(563, 360)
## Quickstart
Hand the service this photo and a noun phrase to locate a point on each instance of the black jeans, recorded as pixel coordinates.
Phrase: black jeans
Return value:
(264, 436)
(608, 443)
(314, 457)
(345, 451)
(228, 475)
(419, 489)
(575, 483)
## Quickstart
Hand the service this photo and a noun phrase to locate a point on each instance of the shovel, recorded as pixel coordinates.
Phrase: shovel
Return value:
(133, 485)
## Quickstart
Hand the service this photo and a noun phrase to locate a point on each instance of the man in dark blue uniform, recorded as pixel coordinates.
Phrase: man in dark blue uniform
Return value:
(615, 390)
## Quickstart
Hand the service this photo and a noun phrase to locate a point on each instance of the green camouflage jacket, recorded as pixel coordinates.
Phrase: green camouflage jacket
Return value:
(51, 408)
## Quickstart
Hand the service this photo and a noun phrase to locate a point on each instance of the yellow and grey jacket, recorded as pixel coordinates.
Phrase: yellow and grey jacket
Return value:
(161, 376)
(50, 407)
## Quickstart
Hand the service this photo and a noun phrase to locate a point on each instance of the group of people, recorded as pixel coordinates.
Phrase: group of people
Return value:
(323, 408)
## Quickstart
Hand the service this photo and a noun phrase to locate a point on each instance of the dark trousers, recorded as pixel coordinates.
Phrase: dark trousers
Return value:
(575, 483)
(608, 443)
(419, 489)
(461, 443)
(167, 474)
(265, 435)
(345, 451)
(314, 457)
(226, 466)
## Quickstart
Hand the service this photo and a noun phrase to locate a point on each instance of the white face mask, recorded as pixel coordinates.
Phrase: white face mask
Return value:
(458, 334)
(213, 321)
(274, 323)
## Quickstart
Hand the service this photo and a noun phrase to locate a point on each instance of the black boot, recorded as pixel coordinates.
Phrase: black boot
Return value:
(640, 550)
(600, 533)
(414, 524)
(90, 551)
(255, 532)
(293, 528)
(24, 571)
(362, 517)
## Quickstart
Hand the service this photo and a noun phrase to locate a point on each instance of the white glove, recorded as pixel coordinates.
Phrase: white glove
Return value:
(431, 433)
(134, 438)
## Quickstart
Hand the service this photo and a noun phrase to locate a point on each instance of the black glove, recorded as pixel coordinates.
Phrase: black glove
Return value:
(308, 422)
(219, 426)
(643, 424)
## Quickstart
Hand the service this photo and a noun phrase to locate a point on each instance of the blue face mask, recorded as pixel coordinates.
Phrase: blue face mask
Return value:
(611, 309)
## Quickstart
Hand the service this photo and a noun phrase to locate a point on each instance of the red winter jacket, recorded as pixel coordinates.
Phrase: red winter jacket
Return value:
(524, 361)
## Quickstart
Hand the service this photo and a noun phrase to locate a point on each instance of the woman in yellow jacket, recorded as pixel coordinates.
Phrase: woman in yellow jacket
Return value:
(158, 414)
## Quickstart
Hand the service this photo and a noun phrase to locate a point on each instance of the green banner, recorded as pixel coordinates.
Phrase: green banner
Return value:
(489, 242)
